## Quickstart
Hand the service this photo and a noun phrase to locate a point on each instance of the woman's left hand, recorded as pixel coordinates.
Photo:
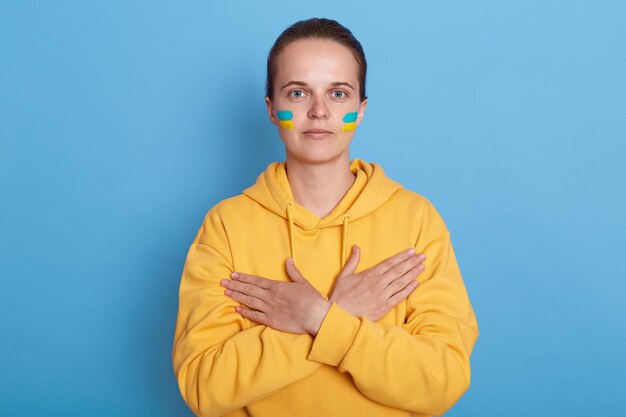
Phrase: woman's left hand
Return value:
(293, 307)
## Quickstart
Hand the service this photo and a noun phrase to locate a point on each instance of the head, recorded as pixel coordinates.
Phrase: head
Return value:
(315, 28)
(315, 90)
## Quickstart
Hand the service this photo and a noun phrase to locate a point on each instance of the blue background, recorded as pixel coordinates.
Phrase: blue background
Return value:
(123, 122)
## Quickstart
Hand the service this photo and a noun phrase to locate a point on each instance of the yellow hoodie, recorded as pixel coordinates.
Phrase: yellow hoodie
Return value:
(412, 362)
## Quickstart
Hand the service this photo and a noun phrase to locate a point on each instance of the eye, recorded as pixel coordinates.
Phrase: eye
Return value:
(296, 93)
(339, 94)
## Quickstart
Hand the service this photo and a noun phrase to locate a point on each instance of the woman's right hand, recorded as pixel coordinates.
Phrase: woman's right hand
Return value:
(374, 292)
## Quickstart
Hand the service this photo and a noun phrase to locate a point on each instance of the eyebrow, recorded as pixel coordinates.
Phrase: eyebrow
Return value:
(303, 84)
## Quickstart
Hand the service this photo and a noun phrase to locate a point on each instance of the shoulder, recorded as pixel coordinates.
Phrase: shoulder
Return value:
(231, 206)
(410, 197)
(222, 213)
(416, 202)
(419, 209)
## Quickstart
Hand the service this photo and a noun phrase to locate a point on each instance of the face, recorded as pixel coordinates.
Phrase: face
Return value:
(316, 104)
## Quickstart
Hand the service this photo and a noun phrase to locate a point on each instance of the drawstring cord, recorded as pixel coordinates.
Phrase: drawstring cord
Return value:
(292, 239)
(344, 242)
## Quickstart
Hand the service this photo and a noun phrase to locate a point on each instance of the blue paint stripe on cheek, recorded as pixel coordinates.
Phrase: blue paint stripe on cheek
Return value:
(285, 115)
(350, 117)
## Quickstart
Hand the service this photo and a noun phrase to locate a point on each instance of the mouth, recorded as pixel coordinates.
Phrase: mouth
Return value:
(317, 133)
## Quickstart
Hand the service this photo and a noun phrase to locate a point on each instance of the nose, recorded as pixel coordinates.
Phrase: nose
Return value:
(318, 109)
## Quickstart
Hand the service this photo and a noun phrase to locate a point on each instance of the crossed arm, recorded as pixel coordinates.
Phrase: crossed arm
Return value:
(297, 307)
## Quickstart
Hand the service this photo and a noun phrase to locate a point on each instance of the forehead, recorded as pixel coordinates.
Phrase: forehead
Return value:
(316, 60)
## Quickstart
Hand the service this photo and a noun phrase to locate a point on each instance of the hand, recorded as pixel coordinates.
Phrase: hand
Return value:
(374, 292)
(293, 307)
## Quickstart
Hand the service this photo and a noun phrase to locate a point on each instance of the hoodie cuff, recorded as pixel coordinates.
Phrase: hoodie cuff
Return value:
(335, 336)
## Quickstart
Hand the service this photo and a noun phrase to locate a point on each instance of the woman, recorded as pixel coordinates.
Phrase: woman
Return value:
(276, 318)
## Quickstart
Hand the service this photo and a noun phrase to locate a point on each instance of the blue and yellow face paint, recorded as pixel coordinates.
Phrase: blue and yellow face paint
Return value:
(284, 119)
(350, 120)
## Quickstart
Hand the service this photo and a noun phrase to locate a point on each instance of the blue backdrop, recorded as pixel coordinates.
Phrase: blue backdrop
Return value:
(123, 122)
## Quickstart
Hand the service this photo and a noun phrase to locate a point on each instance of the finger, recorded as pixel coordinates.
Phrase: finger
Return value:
(252, 279)
(398, 270)
(293, 271)
(351, 263)
(390, 262)
(245, 288)
(404, 280)
(403, 294)
(254, 315)
(247, 300)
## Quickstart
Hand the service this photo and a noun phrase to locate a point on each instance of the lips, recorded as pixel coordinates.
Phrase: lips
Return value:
(317, 133)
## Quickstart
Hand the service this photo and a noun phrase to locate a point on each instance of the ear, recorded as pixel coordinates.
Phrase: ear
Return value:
(362, 106)
(270, 109)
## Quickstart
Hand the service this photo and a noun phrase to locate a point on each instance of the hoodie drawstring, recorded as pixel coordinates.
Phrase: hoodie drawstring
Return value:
(292, 235)
(344, 242)
(292, 238)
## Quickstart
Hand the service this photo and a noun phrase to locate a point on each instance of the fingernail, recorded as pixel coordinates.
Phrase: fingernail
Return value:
(234, 275)
(228, 292)
(411, 251)
(421, 257)
(223, 283)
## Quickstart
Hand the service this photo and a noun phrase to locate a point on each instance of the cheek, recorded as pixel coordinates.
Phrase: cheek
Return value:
(350, 121)
(285, 119)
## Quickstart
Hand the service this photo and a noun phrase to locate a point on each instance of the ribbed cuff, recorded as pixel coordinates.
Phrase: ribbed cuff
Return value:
(335, 336)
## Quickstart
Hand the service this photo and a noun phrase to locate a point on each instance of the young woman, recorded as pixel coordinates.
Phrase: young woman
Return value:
(300, 296)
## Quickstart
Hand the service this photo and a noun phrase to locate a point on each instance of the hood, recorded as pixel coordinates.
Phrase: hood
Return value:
(369, 191)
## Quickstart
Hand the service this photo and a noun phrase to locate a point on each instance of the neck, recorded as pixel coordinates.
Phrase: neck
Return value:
(319, 187)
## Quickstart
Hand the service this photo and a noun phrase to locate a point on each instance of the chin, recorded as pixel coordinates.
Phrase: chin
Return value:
(321, 157)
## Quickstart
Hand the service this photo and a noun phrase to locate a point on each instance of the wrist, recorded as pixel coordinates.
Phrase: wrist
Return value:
(318, 314)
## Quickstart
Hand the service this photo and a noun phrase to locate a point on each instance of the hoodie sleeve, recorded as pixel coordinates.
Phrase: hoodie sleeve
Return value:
(221, 362)
(424, 365)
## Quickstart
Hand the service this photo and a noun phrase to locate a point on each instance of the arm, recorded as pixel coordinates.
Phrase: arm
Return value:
(423, 366)
(221, 361)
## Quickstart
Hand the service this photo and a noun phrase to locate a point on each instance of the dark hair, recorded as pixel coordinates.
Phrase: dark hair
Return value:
(315, 29)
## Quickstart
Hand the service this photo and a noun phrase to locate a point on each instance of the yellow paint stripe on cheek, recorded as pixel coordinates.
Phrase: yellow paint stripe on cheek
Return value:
(286, 124)
(349, 126)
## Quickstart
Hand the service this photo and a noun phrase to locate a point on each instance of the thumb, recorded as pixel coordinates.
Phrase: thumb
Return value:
(293, 271)
(351, 263)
